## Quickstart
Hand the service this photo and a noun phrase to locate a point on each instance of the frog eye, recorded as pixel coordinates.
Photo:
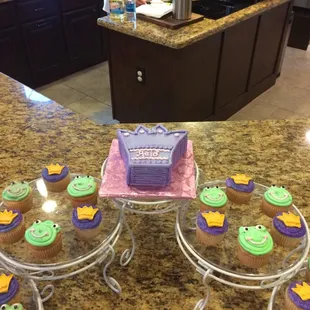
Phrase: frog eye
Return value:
(259, 227)
(23, 182)
(12, 183)
(282, 186)
(207, 187)
(216, 186)
(3, 307)
(37, 222)
(77, 177)
(88, 176)
(56, 226)
(245, 228)
(16, 306)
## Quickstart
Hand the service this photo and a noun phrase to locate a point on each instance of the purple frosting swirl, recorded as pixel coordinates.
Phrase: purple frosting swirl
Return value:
(55, 177)
(203, 225)
(86, 224)
(292, 232)
(249, 188)
(303, 304)
(10, 294)
(17, 220)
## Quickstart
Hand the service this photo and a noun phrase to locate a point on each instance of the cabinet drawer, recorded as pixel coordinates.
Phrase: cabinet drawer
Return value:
(69, 5)
(7, 15)
(36, 9)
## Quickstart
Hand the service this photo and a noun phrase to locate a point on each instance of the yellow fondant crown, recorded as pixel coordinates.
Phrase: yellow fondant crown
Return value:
(54, 169)
(290, 219)
(303, 290)
(5, 282)
(241, 179)
(214, 219)
(7, 217)
(86, 213)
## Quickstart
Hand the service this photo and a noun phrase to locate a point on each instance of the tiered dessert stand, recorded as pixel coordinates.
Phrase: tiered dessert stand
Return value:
(77, 255)
(220, 263)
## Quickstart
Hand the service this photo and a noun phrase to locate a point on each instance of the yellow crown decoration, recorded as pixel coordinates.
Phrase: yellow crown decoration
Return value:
(241, 179)
(290, 219)
(303, 290)
(86, 213)
(214, 219)
(54, 169)
(5, 283)
(7, 217)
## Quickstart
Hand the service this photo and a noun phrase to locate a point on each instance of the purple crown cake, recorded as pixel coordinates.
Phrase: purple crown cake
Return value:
(150, 154)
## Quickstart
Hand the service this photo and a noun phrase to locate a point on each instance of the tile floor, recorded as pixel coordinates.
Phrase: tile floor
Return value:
(88, 92)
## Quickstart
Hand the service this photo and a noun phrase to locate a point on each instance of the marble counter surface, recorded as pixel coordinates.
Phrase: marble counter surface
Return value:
(35, 131)
(187, 35)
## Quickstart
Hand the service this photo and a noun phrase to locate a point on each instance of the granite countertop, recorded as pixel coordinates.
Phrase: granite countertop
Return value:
(35, 131)
(187, 35)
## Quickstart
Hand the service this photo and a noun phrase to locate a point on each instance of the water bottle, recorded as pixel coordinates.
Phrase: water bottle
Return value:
(131, 10)
(117, 11)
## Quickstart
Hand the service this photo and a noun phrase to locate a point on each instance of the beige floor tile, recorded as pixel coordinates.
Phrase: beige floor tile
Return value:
(280, 113)
(238, 117)
(87, 106)
(104, 116)
(259, 111)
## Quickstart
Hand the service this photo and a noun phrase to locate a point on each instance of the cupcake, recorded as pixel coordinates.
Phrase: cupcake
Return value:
(239, 188)
(9, 289)
(287, 229)
(12, 226)
(44, 239)
(83, 190)
(276, 199)
(18, 196)
(308, 271)
(255, 246)
(211, 227)
(297, 296)
(12, 307)
(56, 177)
(86, 220)
(213, 199)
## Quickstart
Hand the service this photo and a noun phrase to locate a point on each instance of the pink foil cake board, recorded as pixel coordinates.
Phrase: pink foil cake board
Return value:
(182, 184)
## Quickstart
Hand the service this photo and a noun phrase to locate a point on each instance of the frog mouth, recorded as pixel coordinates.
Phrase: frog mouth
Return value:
(272, 194)
(82, 189)
(257, 242)
(220, 195)
(32, 231)
(17, 192)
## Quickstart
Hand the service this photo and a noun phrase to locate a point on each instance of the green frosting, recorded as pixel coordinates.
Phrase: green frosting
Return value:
(213, 197)
(82, 186)
(278, 196)
(13, 307)
(255, 239)
(42, 233)
(308, 263)
(16, 191)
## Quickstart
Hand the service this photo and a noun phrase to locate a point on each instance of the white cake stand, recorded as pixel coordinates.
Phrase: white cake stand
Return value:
(209, 261)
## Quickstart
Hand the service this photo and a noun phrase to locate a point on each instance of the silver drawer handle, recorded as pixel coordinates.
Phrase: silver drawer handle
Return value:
(42, 25)
(38, 9)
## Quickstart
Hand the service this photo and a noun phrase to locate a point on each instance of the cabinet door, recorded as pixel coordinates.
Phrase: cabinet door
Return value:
(46, 49)
(13, 60)
(270, 33)
(83, 37)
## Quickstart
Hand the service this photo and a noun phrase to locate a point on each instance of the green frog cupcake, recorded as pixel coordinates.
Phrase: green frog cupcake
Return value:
(83, 190)
(17, 306)
(213, 199)
(44, 239)
(18, 196)
(276, 199)
(255, 246)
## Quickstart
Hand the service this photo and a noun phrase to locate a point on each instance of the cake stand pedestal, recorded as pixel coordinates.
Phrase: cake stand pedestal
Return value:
(207, 262)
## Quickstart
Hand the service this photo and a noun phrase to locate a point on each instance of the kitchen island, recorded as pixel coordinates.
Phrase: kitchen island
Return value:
(205, 71)
(35, 131)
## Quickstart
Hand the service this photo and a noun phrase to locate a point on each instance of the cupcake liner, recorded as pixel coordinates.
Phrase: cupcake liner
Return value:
(22, 205)
(208, 239)
(308, 275)
(46, 252)
(90, 199)
(13, 235)
(283, 240)
(87, 234)
(252, 261)
(59, 186)
(271, 210)
(204, 207)
(237, 197)
(288, 303)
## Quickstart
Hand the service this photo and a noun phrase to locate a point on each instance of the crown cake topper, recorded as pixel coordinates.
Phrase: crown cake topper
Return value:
(214, 219)
(241, 179)
(7, 217)
(54, 169)
(5, 283)
(303, 291)
(86, 213)
(290, 219)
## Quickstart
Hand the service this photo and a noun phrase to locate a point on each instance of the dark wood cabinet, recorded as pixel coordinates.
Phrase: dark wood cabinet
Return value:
(70, 5)
(7, 15)
(46, 49)
(83, 37)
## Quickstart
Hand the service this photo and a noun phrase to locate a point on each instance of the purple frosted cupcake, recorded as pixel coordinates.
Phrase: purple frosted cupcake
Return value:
(239, 188)
(9, 289)
(287, 229)
(12, 226)
(56, 177)
(211, 227)
(297, 296)
(86, 220)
